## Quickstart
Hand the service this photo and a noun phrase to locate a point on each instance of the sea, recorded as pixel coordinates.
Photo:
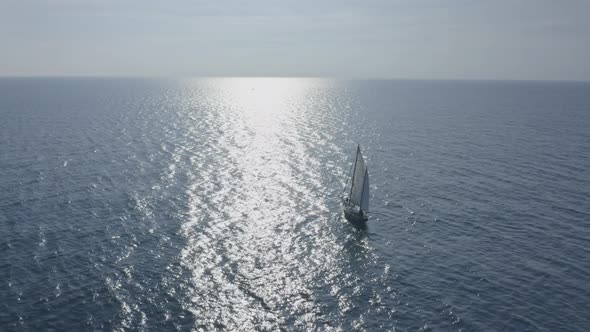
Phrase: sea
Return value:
(213, 204)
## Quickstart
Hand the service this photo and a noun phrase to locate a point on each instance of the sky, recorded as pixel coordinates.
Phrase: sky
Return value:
(414, 39)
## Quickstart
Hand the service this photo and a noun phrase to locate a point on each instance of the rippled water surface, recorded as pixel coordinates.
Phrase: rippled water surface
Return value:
(212, 204)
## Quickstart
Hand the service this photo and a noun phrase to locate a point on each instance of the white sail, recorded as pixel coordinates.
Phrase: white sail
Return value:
(358, 178)
(365, 197)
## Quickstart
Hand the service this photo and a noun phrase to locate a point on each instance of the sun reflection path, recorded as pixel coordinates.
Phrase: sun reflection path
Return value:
(250, 256)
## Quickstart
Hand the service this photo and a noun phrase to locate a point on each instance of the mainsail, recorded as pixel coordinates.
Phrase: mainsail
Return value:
(360, 182)
(365, 197)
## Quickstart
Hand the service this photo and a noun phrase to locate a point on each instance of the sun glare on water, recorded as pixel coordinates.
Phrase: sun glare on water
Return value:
(254, 231)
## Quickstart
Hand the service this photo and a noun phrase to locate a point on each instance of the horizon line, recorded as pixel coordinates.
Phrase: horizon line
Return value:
(343, 78)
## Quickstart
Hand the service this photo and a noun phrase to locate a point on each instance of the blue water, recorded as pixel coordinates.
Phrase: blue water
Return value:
(213, 204)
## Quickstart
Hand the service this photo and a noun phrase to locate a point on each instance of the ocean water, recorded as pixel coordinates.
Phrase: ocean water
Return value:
(213, 204)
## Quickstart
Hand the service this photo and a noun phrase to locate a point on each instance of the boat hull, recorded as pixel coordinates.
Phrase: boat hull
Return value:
(354, 216)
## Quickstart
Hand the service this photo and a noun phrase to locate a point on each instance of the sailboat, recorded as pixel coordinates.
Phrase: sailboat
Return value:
(356, 204)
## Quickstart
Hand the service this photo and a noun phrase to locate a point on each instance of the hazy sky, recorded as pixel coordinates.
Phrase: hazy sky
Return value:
(518, 39)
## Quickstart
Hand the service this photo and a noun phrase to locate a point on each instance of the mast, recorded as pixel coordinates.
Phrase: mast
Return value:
(358, 147)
